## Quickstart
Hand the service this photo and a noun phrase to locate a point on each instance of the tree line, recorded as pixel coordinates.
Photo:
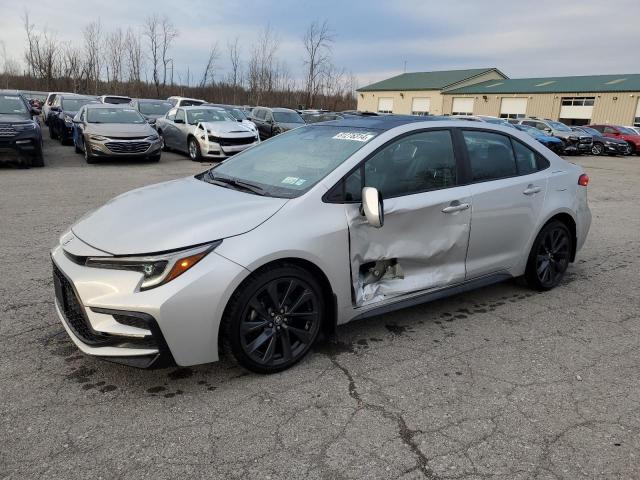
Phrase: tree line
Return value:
(139, 63)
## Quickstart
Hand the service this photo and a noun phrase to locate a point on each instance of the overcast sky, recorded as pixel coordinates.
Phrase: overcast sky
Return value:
(373, 38)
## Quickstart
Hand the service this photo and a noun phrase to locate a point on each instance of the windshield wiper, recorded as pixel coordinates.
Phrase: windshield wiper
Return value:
(239, 184)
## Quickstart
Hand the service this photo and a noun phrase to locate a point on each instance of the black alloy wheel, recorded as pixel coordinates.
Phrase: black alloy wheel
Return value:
(597, 149)
(274, 320)
(550, 256)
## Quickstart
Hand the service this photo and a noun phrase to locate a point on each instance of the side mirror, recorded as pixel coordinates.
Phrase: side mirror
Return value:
(372, 206)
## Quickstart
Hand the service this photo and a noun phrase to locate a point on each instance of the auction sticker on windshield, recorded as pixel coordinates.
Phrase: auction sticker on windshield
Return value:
(356, 137)
(293, 181)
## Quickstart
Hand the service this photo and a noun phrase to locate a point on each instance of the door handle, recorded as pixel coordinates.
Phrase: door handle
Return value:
(531, 190)
(455, 207)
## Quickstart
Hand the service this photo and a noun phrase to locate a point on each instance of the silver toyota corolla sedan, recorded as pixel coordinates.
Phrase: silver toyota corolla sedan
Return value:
(325, 224)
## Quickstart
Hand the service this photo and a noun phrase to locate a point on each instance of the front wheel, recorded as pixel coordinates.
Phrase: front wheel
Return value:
(597, 149)
(274, 318)
(549, 257)
(194, 150)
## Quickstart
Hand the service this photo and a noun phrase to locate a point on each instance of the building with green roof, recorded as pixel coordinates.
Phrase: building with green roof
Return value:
(575, 100)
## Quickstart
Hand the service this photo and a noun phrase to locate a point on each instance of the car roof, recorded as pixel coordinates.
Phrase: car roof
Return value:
(108, 105)
(385, 122)
(114, 96)
(151, 100)
(200, 107)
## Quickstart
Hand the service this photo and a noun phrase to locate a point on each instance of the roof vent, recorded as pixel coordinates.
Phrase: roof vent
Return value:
(544, 84)
(494, 84)
(613, 82)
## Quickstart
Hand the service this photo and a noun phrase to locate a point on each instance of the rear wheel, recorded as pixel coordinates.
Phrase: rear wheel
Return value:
(630, 148)
(274, 318)
(194, 150)
(549, 257)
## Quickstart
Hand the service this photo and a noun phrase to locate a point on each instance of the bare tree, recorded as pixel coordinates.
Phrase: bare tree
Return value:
(133, 47)
(41, 53)
(317, 44)
(92, 35)
(113, 49)
(209, 69)
(152, 32)
(168, 34)
(235, 76)
(261, 64)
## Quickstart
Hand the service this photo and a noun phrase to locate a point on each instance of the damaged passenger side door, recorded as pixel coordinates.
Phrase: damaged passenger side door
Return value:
(422, 243)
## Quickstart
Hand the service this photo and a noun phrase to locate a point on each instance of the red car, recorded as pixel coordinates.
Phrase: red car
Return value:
(622, 133)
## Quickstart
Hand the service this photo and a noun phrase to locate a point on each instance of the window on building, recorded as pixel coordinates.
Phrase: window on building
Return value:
(385, 105)
(636, 120)
(512, 115)
(578, 101)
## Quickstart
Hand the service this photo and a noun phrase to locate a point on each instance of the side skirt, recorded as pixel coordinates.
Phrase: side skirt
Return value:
(434, 295)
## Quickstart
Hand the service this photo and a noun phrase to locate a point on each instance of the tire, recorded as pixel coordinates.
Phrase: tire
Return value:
(90, 159)
(549, 257)
(76, 148)
(38, 159)
(273, 318)
(631, 150)
(164, 145)
(597, 149)
(52, 132)
(193, 148)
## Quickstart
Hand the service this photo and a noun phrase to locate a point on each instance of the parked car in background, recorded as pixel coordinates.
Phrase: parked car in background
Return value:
(185, 101)
(49, 101)
(236, 112)
(272, 121)
(623, 133)
(107, 131)
(552, 143)
(114, 99)
(204, 132)
(635, 129)
(574, 143)
(61, 113)
(151, 109)
(20, 134)
(360, 113)
(482, 118)
(36, 99)
(292, 237)
(604, 145)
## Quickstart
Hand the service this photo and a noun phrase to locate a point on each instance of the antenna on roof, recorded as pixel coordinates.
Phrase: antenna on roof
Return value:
(405, 66)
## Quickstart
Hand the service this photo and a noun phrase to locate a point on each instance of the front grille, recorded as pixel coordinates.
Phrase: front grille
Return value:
(7, 130)
(128, 147)
(231, 142)
(73, 311)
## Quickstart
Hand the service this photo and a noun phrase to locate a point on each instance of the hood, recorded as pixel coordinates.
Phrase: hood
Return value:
(289, 126)
(123, 130)
(8, 118)
(611, 140)
(173, 215)
(228, 127)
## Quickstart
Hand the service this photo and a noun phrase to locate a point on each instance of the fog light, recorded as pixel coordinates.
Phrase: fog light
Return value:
(21, 142)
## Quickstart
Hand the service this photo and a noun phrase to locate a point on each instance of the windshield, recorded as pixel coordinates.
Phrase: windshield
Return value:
(12, 104)
(114, 115)
(74, 104)
(287, 117)
(534, 132)
(559, 126)
(207, 115)
(154, 108)
(627, 131)
(591, 131)
(291, 163)
(237, 114)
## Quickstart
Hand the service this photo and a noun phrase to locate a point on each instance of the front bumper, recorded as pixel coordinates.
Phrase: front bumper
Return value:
(107, 316)
(616, 148)
(19, 144)
(123, 148)
(213, 149)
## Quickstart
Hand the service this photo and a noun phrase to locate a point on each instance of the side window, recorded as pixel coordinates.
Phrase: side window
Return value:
(268, 116)
(180, 115)
(259, 114)
(541, 126)
(529, 123)
(490, 154)
(415, 163)
(525, 158)
(171, 114)
(610, 130)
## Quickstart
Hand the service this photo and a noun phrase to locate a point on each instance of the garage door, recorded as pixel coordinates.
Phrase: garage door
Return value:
(462, 106)
(420, 106)
(513, 108)
(636, 121)
(576, 108)
(385, 105)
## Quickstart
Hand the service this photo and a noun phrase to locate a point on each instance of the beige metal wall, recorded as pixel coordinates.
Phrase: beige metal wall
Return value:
(402, 100)
(620, 111)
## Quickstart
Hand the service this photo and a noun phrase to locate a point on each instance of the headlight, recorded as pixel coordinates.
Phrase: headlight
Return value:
(152, 138)
(97, 138)
(21, 127)
(156, 269)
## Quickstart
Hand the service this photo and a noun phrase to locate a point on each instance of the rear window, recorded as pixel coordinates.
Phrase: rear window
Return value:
(154, 108)
(117, 100)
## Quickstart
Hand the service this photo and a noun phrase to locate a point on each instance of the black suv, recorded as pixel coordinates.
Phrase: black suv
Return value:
(602, 144)
(272, 121)
(61, 113)
(20, 134)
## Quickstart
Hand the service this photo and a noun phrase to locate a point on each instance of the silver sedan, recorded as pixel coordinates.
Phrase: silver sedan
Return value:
(317, 227)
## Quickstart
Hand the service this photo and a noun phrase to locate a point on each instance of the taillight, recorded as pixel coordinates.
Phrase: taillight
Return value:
(583, 180)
